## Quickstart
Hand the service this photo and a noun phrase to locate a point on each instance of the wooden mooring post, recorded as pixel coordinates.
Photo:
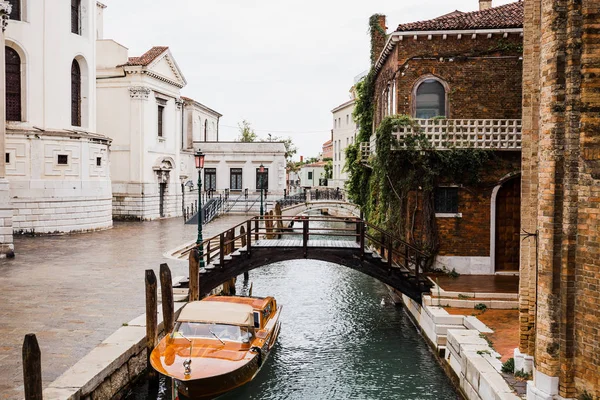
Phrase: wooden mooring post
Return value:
(245, 241)
(151, 320)
(166, 289)
(194, 270)
(32, 368)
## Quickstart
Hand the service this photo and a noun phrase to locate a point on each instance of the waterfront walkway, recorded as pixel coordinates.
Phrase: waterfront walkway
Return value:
(73, 291)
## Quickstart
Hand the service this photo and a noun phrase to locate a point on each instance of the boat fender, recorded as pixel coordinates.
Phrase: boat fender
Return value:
(258, 351)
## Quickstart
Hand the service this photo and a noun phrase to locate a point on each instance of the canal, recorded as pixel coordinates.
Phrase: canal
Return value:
(341, 338)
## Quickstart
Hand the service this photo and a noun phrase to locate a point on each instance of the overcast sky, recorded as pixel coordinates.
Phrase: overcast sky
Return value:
(280, 64)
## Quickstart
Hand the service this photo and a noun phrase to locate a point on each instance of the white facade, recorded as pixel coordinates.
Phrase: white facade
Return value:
(57, 163)
(344, 134)
(201, 123)
(236, 165)
(311, 173)
(139, 103)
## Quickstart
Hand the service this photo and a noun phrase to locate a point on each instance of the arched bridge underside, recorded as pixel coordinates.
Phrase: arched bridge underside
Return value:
(359, 246)
(340, 206)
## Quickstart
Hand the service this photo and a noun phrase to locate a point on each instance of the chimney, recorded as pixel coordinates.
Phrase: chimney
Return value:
(378, 36)
(485, 4)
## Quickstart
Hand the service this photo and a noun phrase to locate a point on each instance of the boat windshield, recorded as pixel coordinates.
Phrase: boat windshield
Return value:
(223, 332)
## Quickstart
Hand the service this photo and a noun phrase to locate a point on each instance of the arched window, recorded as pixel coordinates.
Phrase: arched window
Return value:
(15, 12)
(76, 16)
(430, 99)
(13, 85)
(75, 94)
(206, 130)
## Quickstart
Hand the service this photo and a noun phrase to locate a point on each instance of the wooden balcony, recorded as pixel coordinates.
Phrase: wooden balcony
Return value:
(444, 134)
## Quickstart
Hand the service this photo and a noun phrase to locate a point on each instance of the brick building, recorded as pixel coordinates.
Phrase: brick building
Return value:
(560, 268)
(466, 69)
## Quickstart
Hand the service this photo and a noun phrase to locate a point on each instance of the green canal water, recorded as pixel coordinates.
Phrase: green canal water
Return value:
(341, 338)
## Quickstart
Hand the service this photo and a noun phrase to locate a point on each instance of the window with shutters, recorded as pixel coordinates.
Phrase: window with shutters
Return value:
(206, 130)
(76, 16)
(15, 13)
(446, 200)
(13, 85)
(75, 94)
(262, 179)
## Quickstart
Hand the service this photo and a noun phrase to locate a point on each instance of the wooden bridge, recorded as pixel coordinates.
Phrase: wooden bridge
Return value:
(355, 244)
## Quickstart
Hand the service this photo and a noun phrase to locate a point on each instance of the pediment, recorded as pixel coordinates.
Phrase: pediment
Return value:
(165, 66)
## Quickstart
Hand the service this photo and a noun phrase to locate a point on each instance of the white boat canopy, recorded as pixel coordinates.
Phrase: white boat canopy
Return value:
(216, 312)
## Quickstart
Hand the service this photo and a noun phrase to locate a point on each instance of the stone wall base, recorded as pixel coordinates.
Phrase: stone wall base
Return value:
(145, 207)
(54, 215)
(543, 387)
(7, 246)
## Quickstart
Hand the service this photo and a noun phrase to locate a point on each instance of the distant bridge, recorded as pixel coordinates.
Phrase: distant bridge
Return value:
(358, 245)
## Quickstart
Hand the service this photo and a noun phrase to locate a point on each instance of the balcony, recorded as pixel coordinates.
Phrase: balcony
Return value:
(444, 134)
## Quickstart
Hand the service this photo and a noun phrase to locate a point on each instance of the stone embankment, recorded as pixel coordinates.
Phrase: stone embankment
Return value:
(460, 342)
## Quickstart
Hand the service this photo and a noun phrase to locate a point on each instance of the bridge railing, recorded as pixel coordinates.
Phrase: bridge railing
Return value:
(393, 250)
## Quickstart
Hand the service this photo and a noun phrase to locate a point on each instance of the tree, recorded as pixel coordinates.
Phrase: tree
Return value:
(290, 148)
(247, 134)
(328, 168)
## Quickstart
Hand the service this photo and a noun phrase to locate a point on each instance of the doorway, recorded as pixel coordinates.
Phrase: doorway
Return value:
(161, 204)
(508, 220)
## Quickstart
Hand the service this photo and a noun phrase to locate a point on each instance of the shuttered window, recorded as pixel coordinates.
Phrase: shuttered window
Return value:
(446, 200)
(75, 94)
(15, 13)
(13, 85)
(76, 16)
(160, 120)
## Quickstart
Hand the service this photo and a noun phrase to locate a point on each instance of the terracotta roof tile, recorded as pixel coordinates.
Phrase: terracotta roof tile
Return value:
(149, 56)
(505, 16)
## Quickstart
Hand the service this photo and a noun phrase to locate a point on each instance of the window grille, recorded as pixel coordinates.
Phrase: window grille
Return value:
(446, 200)
(236, 179)
(210, 178)
(13, 85)
(62, 159)
(75, 94)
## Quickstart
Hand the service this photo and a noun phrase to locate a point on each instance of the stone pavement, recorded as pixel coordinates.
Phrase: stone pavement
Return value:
(74, 291)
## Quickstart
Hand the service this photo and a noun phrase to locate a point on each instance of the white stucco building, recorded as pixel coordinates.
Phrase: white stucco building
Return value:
(56, 160)
(343, 134)
(310, 174)
(235, 166)
(139, 103)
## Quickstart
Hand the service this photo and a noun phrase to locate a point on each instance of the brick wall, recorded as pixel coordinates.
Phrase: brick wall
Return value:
(562, 162)
(483, 75)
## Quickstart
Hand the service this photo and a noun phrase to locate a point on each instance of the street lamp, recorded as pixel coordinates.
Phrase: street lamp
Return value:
(262, 170)
(199, 158)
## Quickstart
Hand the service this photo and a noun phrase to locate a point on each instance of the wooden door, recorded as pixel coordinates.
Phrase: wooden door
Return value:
(508, 220)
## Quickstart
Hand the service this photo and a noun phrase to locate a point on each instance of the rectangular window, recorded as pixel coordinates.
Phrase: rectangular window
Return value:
(160, 120)
(310, 175)
(446, 200)
(262, 179)
(62, 159)
(76, 17)
(210, 178)
(7, 158)
(236, 179)
(98, 161)
(15, 13)
(347, 119)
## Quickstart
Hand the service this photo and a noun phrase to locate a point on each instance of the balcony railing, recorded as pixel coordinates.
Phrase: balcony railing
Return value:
(442, 134)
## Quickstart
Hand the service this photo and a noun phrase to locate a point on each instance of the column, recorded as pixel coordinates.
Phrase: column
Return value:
(6, 228)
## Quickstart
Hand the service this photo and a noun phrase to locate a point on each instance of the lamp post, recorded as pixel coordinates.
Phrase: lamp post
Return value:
(262, 170)
(199, 158)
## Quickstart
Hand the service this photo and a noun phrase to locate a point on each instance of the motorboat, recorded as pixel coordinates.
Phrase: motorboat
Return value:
(217, 344)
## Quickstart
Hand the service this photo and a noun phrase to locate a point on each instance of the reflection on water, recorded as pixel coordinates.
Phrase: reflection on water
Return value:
(340, 339)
